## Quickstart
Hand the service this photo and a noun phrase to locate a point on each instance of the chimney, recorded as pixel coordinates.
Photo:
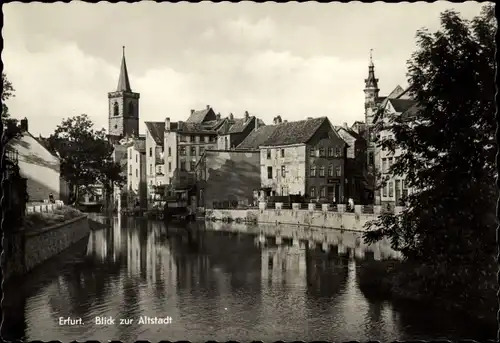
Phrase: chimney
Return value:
(231, 117)
(256, 123)
(277, 120)
(24, 124)
(192, 111)
(309, 118)
(167, 124)
(246, 115)
(208, 107)
(345, 125)
(217, 116)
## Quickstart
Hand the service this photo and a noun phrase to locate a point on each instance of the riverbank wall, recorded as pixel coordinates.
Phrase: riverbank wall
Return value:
(323, 217)
(24, 250)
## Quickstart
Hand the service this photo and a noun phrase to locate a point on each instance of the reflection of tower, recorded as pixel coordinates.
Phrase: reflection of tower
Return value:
(117, 238)
(133, 253)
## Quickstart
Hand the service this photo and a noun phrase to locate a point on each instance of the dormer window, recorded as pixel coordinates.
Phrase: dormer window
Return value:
(116, 109)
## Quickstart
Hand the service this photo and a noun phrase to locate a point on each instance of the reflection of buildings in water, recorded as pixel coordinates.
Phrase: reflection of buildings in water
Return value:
(133, 253)
(117, 237)
(284, 264)
(98, 245)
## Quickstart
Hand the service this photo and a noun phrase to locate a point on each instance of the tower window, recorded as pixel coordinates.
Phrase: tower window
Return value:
(116, 110)
(116, 126)
(131, 109)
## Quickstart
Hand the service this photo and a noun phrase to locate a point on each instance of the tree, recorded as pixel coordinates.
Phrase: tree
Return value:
(448, 148)
(7, 93)
(86, 155)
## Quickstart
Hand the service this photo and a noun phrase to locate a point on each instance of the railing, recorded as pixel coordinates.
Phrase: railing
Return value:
(312, 206)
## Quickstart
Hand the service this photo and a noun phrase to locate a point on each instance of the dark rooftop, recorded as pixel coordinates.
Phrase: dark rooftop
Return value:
(157, 130)
(285, 133)
(199, 116)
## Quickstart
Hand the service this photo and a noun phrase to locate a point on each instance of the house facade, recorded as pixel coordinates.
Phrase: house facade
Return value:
(185, 143)
(136, 176)
(155, 162)
(393, 187)
(304, 158)
(38, 166)
(355, 164)
(228, 178)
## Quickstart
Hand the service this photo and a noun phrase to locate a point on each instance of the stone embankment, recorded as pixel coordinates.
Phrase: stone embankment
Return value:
(24, 249)
(324, 217)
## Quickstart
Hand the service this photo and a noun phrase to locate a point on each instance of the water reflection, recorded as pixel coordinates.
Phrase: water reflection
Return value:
(217, 282)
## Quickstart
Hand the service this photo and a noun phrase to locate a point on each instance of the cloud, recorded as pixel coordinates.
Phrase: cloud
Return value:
(63, 81)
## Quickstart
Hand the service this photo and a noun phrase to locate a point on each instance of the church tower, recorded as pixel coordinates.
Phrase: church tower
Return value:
(371, 93)
(123, 107)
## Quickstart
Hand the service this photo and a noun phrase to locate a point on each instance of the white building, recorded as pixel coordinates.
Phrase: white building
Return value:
(155, 162)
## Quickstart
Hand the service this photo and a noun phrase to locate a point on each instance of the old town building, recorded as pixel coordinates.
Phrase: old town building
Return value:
(300, 158)
(185, 142)
(355, 164)
(155, 162)
(235, 130)
(136, 175)
(393, 188)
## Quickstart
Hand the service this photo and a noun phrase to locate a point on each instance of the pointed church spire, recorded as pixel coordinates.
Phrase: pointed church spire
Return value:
(123, 81)
(371, 82)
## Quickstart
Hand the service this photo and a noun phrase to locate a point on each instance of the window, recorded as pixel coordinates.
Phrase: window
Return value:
(391, 188)
(384, 191)
(192, 138)
(182, 151)
(183, 138)
(207, 139)
(202, 150)
(384, 165)
(283, 171)
(183, 165)
(169, 151)
(312, 152)
(130, 172)
(323, 192)
(330, 170)
(321, 152)
(390, 162)
(136, 157)
(331, 152)
(322, 171)
(116, 109)
(338, 171)
(136, 172)
(192, 166)
(312, 171)
(130, 109)
(404, 188)
(150, 152)
(159, 170)
(150, 169)
(338, 152)
(193, 151)
(282, 152)
(269, 172)
(312, 192)
(268, 154)
(169, 166)
(213, 139)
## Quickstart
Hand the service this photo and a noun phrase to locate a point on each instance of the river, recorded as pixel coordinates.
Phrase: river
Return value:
(221, 282)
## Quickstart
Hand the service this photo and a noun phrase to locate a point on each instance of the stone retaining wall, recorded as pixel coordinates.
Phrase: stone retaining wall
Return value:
(312, 216)
(25, 250)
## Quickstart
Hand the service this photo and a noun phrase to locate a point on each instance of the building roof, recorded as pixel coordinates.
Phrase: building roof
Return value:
(401, 105)
(349, 131)
(157, 130)
(199, 116)
(123, 80)
(208, 127)
(140, 144)
(286, 133)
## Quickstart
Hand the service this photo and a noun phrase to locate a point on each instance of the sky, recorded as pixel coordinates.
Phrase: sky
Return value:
(296, 60)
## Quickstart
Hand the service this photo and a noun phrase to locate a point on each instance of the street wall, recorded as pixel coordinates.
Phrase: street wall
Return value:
(26, 250)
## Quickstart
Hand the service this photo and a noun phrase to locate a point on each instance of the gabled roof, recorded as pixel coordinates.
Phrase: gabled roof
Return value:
(199, 116)
(286, 133)
(348, 131)
(239, 125)
(401, 105)
(156, 130)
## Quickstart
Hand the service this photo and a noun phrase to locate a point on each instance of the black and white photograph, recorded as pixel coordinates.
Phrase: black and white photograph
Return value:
(249, 171)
